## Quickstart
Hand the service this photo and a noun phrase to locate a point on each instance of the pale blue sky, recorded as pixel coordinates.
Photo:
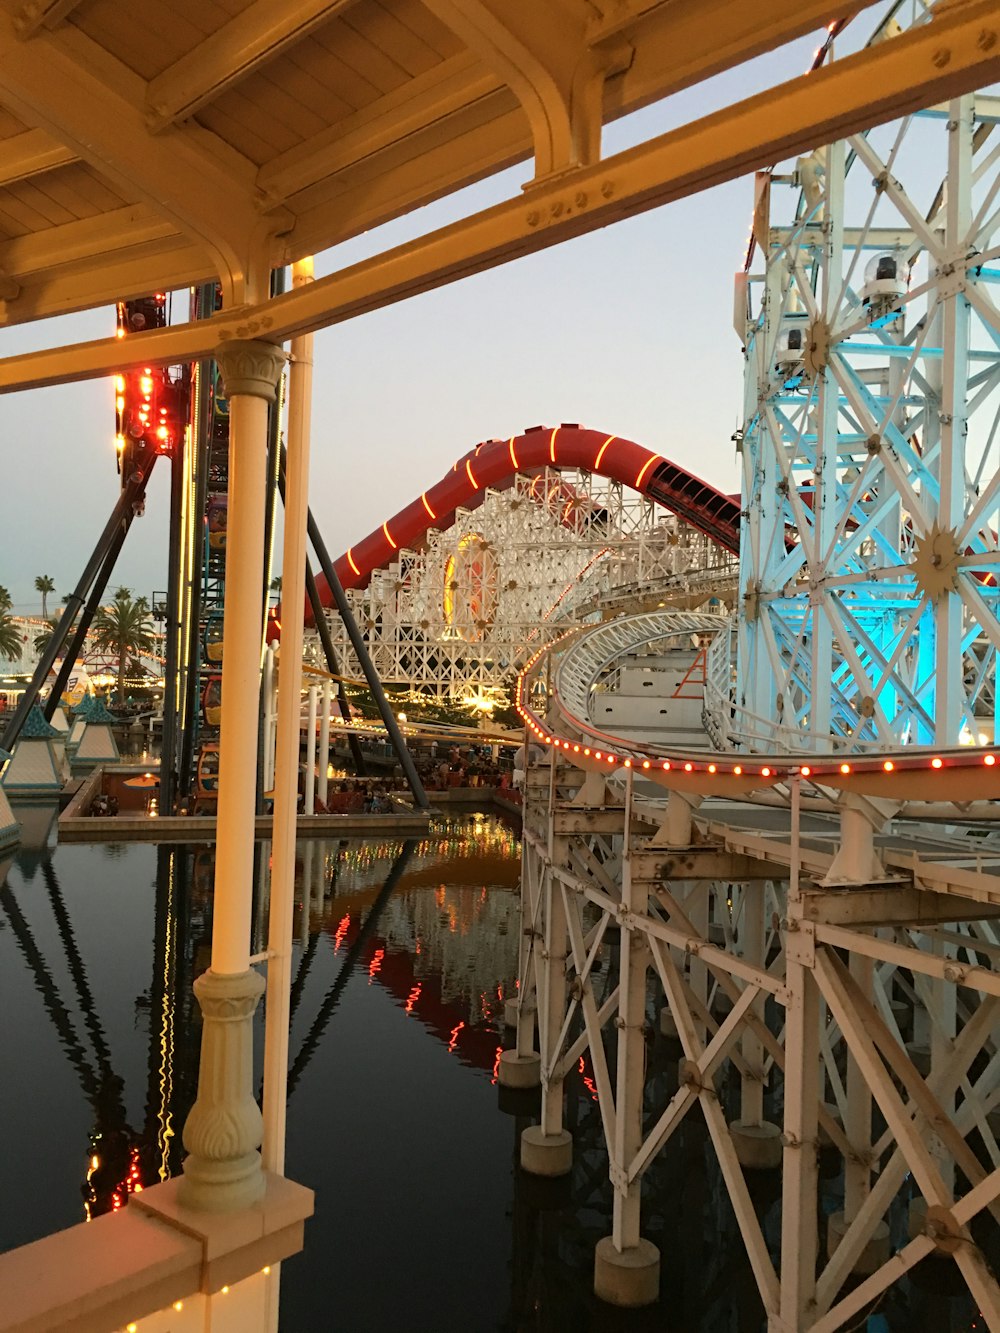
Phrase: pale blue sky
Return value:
(628, 330)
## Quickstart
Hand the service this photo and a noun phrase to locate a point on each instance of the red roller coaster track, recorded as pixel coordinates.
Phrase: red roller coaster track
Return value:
(496, 463)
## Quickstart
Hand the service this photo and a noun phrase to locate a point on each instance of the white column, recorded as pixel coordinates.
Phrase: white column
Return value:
(287, 741)
(310, 783)
(223, 1130)
(324, 739)
(308, 854)
(269, 695)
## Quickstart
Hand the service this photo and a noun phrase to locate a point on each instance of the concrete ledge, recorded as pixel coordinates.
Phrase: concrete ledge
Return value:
(98, 1275)
(201, 828)
(124, 1266)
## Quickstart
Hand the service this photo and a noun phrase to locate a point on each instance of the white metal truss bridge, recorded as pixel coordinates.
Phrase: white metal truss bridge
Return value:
(796, 875)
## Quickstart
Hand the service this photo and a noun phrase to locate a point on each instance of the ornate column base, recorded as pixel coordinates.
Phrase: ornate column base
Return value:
(223, 1131)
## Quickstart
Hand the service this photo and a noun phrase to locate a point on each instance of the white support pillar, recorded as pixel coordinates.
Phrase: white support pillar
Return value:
(800, 1174)
(626, 1267)
(324, 740)
(223, 1130)
(757, 1141)
(308, 855)
(287, 742)
(310, 782)
(267, 746)
(547, 1149)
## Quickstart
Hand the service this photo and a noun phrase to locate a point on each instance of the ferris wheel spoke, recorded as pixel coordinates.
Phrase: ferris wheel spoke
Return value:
(895, 193)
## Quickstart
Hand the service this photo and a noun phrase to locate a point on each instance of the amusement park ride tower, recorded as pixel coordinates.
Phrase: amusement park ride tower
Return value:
(871, 483)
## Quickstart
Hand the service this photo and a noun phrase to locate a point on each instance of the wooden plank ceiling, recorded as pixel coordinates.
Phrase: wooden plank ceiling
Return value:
(156, 144)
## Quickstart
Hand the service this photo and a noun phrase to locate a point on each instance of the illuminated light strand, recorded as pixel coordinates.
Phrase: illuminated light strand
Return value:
(601, 451)
(653, 458)
(350, 561)
(468, 468)
(427, 505)
(513, 455)
(388, 535)
(552, 445)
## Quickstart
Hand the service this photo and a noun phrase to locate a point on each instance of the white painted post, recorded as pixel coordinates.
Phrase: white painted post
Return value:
(310, 783)
(308, 854)
(271, 715)
(324, 739)
(223, 1130)
(631, 1069)
(799, 1179)
(287, 742)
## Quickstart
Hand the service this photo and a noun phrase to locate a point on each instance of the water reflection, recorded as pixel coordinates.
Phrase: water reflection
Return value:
(405, 953)
(127, 914)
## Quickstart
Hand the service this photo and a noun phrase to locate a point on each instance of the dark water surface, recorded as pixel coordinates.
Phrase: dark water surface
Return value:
(401, 967)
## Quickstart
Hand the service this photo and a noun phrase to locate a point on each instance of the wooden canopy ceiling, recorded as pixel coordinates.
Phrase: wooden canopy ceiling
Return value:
(152, 145)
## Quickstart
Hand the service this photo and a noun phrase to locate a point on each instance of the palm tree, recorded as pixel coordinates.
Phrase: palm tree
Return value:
(125, 629)
(44, 585)
(10, 639)
(5, 602)
(276, 584)
(44, 636)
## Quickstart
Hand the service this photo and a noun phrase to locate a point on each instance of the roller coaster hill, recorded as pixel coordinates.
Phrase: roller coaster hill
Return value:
(180, 414)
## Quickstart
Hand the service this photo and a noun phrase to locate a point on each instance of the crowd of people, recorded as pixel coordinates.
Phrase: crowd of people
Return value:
(368, 796)
(472, 767)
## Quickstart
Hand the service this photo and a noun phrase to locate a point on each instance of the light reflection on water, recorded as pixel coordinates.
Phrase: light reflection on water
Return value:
(404, 956)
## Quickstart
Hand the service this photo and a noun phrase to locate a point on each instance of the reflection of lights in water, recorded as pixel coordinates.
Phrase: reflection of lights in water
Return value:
(413, 997)
(375, 966)
(496, 1066)
(588, 1082)
(338, 938)
(454, 1036)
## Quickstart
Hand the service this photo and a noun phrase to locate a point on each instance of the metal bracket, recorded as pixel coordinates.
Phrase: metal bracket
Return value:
(800, 942)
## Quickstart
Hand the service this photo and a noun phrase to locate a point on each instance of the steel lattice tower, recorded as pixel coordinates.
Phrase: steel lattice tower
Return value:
(871, 472)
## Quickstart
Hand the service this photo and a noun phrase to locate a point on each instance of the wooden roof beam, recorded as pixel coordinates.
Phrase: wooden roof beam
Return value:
(875, 85)
(231, 54)
(29, 154)
(443, 91)
(37, 14)
(544, 57)
(189, 178)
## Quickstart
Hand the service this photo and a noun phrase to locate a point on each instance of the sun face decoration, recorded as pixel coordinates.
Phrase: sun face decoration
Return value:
(469, 596)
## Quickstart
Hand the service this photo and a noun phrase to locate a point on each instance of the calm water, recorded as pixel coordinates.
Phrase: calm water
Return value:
(402, 964)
